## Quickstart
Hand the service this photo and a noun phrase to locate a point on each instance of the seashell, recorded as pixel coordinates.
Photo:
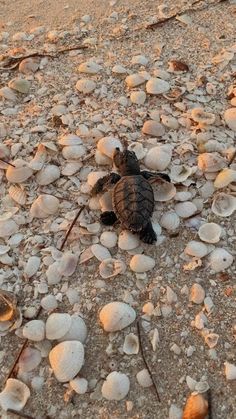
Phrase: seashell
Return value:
(17, 194)
(138, 149)
(77, 330)
(197, 294)
(185, 209)
(196, 407)
(86, 255)
(8, 228)
(29, 360)
(49, 302)
(108, 239)
(57, 325)
(119, 69)
(202, 117)
(196, 249)
(144, 379)
(110, 268)
(53, 273)
(94, 176)
(79, 385)
(158, 158)
(34, 330)
(85, 86)
(139, 59)
(183, 196)
(70, 140)
(223, 205)
(8, 304)
(89, 67)
(210, 162)
(48, 175)
(138, 97)
(107, 145)
(18, 174)
(66, 360)
(116, 316)
(73, 152)
(153, 128)
(163, 190)
(8, 94)
(127, 240)
(211, 340)
(220, 260)
(116, 386)
(134, 80)
(71, 168)
(44, 206)
(39, 159)
(67, 264)
(230, 371)
(156, 86)
(32, 266)
(174, 94)
(200, 321)
(169, 122)
(210, 232)
(170, 220)
(100, 252)
(101, 159)
(179, 174)
(230, 118)
(224, 178)
(142, 263)
(14, 395)
(131, 344)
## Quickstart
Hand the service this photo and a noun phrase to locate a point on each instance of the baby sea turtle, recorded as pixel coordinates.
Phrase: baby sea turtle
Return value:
(132, 195)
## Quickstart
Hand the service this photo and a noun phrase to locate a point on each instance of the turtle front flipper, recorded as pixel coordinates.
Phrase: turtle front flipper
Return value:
(108, 218)
(147, 234)
(148, 175)
(104, 183)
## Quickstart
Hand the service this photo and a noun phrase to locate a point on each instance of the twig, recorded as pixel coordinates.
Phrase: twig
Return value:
(20, 414)
(209, 399)
(144, 359)
(71, 226)
(232, 158)
(6, 162)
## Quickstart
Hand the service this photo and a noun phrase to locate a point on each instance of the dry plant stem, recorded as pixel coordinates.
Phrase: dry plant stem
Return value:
(71, 226)
(4, 161)
(144, 359)
(20, 414)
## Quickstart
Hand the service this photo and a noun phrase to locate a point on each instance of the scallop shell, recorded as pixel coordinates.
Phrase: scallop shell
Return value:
(8, 303)
(220, 260)
(144, 379)
(110, 268)
(17, 194)
(183, 196)
(100, 252)
(170, 220)
(66, 360)
(39, 159)
(158, 158)
(77, 330)
(116, 316)
(18, 174)
(44, 206)
(85, 86)
(116, 386)
(230, 371)
(47, 175)
(107, 145)
(210, 232)
(196, 407)
(138, 97)
(131, 344)
(142, 263)
(223, 205)
(185, 209)
(195, 248)
(108, 239)
(202, 117)
(127, 240)
(210, 162)
(163, 190)
(14, 395)
(224, 178)
(34, 330)
(70, 140)
(57, 325)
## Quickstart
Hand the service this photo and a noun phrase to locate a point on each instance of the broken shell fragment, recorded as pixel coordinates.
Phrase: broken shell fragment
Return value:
(196, 407)
(110, 268)
(210, 162)
(230, 118)
(224, 204)
(142, 263)
(29, 359)
(17, 194)
(224, 178)
(144, 379)
(202, 117)
(8, 228)
(79, 385)
(39, 159)
(14, 395)
(220, 260)
(100, 252)
(48, 175)
(85, 86)
(67, 264)
(197, 294)
(180, 173)
(116, 386)
(32, 266)
(210, 232)
(131, 344)
(116, 316)
(107, 145)
(89, 67)
(44, 206)
(66, 360)
(211, 340)
(230, 371)
(57, 325)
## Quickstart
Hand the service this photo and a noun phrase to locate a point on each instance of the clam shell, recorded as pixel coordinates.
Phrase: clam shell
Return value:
(102, 159)
(170, 220)
(116, 316)
(70, 139)
(18, 174)
(47, 175)
(94, 176)
(89, 67)
(202, 117)
(79, 385)
(77, 330)
(29, 359)
(8, 228)
(134, 80)
(66, 360)
(14, 395)
(153, 128)
(210, 162)
(105, 201)
(17, 194)
(138, 149)
(144, 379)
(85, 86)
(44, 206)
(220, 260)
(195, 248)
(230, 371)
(107, 145)
(39, 159)
(224, 178)
(73, 152)
(57, 325)
(196, 407)
(210, 232)
(49, 302)
(138, 97)
(116, 386)
(158, 158)
(71, 168)
(32, 266)
(34, 330)
(8, 303)
(185, 209)
(156, 86)
(180, 173)
(53, 273)
(67, 264)
(127, 240)
(108, 239)
(110, 268)
(131, 344)
(223, 204)
(197, 294)
(142, 263)
(100, 252)
(163, 190)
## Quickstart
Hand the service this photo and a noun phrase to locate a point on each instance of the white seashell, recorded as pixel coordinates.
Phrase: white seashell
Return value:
(44, 206)
(180, 173)
(85, 86)
(119, 69)
(102, 159)
(57, 325)
(29, 360)
(185, 209)
(39, 159)
(153, 128)
(77, 330)
(158, 158)
(210, 232)
(230, 118)
(138, 97)
(14, 395)
(127, 240)
(67, 264)
(131, 344)
(169, 121)
(79, 385)
(156, 86)
(183, 196)
(73, 152)
(89, 67)
(53, 273)
(70, 140)
(170, 220)
(18, 174)
(94, 176)
(211, 340)
(110, 268)
(4, 249)
(163, 190)
(224, 178)
(230, 371)
(202, 117)
(48, 175)
(220, 260)
(8, 228)
(223, 204)
(32, 266)
(17, 194)
(71, 168)
(139, 59)
(66, 360)
(195, 248)
(142, 263)
(139, 150)
(34, 330)
(100, 252)
(197, 294)
(108, 239)
(49, 302)
(210, 162)
(116, 386)
(144, 379)
(116, 316)
(107, 145)
(191, 383)
(134, 80)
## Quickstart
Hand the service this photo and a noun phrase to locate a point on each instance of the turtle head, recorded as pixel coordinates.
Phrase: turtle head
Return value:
(126, 162)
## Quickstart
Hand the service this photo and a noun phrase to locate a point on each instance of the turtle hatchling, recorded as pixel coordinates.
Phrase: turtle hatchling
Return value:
(132, 195)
